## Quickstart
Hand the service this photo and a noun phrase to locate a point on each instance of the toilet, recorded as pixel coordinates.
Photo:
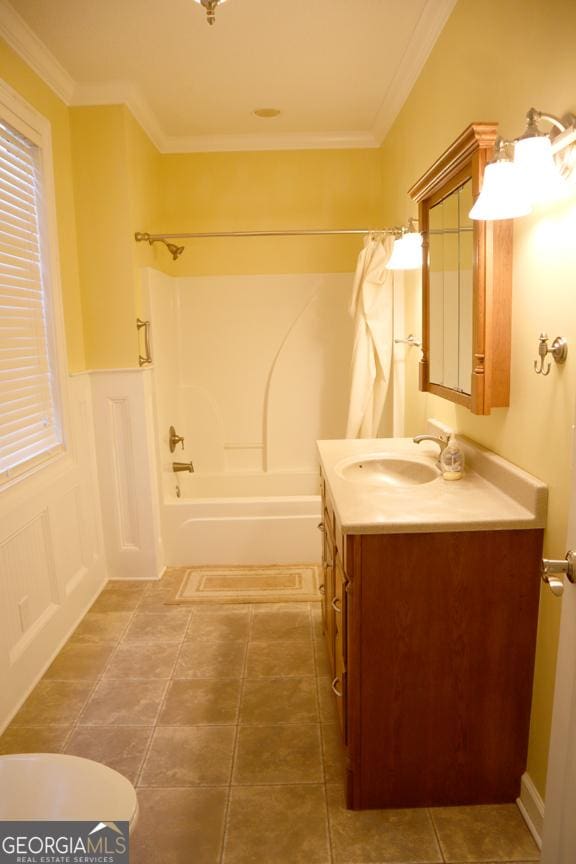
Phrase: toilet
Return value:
(52, 786)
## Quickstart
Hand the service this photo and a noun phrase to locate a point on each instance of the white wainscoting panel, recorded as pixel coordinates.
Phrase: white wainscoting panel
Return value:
(51, 555)
(125, 449)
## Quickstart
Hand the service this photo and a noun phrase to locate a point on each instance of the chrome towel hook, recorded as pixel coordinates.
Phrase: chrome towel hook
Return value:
(558, 350)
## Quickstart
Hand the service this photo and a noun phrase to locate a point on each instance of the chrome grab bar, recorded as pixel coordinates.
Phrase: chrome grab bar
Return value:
(146, 359)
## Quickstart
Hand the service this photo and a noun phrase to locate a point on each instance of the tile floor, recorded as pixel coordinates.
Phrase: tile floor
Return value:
(223, 719)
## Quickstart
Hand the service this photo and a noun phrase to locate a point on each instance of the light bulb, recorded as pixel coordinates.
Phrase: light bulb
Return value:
(503, 195)
(540, 176)
(406, 252)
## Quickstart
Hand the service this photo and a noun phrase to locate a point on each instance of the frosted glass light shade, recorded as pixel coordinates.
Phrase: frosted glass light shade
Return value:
(503, 195)
(540, 176)
(406, 252)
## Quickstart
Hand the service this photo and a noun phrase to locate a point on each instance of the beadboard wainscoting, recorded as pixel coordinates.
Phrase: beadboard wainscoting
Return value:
(52, 562)
(126, 454)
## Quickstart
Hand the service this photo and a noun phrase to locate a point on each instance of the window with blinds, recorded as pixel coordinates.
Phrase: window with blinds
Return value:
(30, 429)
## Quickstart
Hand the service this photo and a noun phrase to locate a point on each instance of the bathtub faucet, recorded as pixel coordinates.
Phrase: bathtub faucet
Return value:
(182, 466)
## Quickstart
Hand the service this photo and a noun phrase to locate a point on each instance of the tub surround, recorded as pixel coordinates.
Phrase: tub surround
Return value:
(493, 494)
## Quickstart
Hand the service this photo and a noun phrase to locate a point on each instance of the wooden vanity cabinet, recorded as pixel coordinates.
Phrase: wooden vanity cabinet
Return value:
(431, 639)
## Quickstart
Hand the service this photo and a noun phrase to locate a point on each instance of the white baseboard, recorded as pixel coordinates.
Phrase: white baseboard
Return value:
(531, 807)
(99, 583)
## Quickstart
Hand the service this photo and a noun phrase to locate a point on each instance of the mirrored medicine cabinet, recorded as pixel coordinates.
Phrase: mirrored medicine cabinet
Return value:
(466, 280)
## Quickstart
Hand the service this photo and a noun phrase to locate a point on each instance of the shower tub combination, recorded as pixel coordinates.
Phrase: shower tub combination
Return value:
(260, 519)
(251, 371)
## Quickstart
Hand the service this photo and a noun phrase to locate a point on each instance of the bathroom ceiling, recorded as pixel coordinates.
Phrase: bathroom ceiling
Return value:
(338, 70)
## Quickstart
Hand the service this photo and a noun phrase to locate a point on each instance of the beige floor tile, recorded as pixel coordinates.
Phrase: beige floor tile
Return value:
(102, 627)
(280, 624)
(321, 658)
(172, 577)
(179, 826)
(79, 661)
(220, 608)
(279, 700)
(333, 753)
(327, 700)
(210, 660)
(159, 602)
(230, 624)
(128, 586)
(115, 600)
(278, 659)
(277, 825)
(379, 836)
(38, 739)
(158, 626)
(54, 703)
(142, 660)
(200, 701)
(278, 754)
(120, 747)
(484, 833)
(189, 756)
(124, 703)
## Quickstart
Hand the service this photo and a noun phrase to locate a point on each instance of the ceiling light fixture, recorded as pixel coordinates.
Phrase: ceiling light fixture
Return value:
(210, 6)
(539, 171)
(407, 249)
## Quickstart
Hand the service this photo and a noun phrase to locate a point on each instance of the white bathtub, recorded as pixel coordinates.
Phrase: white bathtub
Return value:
(242, 519)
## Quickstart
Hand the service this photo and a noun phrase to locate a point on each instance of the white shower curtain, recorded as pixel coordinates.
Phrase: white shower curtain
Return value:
(372, 309)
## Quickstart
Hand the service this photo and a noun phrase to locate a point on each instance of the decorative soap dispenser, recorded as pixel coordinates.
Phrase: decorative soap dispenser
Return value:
(452, 460)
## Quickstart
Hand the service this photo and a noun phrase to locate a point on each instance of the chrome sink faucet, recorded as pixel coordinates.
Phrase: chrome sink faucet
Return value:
(437, 440)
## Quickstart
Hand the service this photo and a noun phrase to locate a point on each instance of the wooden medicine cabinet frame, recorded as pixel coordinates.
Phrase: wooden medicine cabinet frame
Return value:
(491, 278)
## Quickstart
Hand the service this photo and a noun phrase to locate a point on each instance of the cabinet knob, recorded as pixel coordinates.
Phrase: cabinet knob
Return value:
(320, 526)
(335, 605)
(322, 589)
(335, 689)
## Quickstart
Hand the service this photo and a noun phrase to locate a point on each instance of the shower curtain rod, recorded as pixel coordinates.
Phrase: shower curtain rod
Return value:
(297, 232)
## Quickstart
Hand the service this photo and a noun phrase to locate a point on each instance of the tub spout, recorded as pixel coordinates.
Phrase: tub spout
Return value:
(182, 466)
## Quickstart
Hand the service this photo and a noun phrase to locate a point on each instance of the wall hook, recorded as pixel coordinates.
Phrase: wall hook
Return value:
(558, 350)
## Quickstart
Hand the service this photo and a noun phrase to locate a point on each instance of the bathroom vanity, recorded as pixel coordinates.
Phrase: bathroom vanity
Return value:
(430, 602)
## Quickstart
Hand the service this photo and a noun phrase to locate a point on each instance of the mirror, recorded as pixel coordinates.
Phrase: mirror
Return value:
(466, 280)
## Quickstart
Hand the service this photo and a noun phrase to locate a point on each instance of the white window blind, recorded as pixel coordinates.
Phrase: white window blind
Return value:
(29, 418)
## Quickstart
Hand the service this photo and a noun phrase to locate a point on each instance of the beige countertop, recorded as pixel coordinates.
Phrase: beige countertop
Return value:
(492, 495)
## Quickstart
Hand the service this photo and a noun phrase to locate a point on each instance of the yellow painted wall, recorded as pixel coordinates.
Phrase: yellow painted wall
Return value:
(493, 61)
(104, 189)
(19, 76)
(269, 190)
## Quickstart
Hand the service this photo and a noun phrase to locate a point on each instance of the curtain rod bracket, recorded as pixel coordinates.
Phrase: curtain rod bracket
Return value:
(174, 250)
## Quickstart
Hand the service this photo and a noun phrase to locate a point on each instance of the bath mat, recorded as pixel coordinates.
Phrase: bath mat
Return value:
(249, 584)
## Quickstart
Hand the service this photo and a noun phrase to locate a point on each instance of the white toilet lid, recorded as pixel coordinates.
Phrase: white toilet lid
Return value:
(53, 786)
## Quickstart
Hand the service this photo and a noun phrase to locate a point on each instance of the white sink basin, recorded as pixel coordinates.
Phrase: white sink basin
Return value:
(387, 470)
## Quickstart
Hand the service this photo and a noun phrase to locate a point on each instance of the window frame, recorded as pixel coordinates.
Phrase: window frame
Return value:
(26, 120)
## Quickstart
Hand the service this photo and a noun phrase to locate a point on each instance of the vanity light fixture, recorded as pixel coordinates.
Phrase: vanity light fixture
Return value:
(532, 169)
(210, 6)
(407, 249)
(503, 196)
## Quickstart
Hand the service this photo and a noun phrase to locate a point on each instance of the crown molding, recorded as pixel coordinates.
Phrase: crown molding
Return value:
(34, 52)
(122, 93)
(280, 141)
(431, 23)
